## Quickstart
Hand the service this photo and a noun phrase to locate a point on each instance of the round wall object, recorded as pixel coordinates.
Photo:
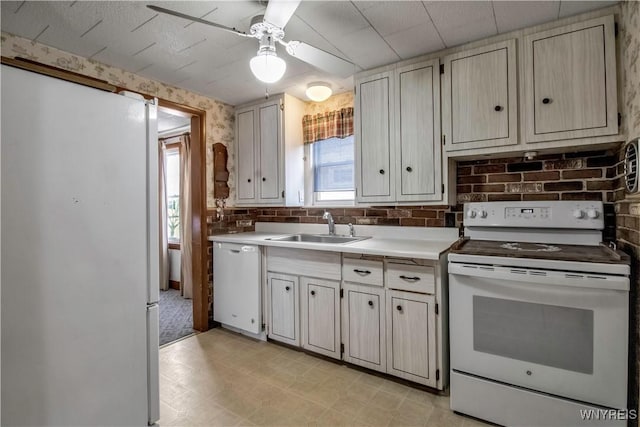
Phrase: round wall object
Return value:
(631, 174)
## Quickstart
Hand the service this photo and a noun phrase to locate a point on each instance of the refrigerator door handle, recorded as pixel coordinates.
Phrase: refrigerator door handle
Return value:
(153, 365)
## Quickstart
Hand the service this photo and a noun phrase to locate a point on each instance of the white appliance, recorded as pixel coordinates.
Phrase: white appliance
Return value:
(538, 315)
(236, 286)
(79, 255)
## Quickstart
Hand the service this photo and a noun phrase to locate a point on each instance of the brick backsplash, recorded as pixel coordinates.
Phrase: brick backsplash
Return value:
(570, 176)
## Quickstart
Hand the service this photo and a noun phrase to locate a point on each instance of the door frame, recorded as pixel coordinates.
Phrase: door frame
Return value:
(198, 211)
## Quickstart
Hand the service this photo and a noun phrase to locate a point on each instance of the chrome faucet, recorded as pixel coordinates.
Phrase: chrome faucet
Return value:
(332, 225)
(352, 232)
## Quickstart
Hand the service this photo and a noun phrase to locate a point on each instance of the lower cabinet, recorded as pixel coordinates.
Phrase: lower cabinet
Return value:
(320, 316)
(284, 308)
(363, 331)
(411, 337)
(378, 313)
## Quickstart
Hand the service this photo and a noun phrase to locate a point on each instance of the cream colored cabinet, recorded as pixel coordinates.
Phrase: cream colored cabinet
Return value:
(363, 326)
(411, 337)
(419, 176)
(284, 308)
(399, 156)
(479, 99)
(320, 315)
(373, 127)
(570, 82)
(269, 152)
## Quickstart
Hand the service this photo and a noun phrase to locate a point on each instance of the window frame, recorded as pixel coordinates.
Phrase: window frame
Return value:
(173, 149)
(310, 174)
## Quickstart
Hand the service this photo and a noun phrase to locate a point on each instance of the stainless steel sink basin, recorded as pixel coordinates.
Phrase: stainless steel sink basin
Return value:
(318, 238)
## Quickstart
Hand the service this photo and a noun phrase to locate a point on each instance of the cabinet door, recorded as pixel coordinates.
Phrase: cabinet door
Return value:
(570, 82)
(283, 308)
(245, 164)
(269, 153)
(411, 340)
(363, 326)
(375, 159)
(479, 103)
(320, 316)
(418, 132)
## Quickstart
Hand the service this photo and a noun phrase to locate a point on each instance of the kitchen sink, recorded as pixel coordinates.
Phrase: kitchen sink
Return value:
(318, 238)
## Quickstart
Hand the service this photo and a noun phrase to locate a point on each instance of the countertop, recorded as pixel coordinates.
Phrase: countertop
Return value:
(420, 248)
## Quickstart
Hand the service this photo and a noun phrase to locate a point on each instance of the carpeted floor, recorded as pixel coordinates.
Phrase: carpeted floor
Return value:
(176, 316)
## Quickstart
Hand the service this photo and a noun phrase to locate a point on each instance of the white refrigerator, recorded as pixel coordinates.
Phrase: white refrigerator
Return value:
(79, 249)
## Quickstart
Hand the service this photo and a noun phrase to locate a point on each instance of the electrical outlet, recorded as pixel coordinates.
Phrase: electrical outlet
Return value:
(244, 223)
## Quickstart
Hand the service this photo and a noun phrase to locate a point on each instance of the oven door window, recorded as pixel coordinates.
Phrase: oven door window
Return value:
(555, 336)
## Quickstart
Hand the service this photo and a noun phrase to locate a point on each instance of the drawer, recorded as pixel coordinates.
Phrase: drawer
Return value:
(413, 278)
(365, 271)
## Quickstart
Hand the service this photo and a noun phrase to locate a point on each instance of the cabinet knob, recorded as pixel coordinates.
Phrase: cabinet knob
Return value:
(399, 308)
(264, 179)
(370, 303)
(313, 293)
(249, 180)
(409, 168)
(286, 288)
(498, 108)
(381, 171)
(546, 100)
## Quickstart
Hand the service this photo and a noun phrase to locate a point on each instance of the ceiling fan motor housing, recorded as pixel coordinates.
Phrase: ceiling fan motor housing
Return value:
(260, 28)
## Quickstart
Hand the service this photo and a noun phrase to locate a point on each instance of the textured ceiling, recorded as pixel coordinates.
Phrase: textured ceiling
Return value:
(206, 60)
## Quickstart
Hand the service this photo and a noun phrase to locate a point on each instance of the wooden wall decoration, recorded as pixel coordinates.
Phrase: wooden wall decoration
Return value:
(220, 172)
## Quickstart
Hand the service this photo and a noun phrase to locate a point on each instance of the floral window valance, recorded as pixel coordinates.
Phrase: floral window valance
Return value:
(331, 124)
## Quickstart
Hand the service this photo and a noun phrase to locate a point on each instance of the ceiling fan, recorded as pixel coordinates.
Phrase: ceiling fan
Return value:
(269, 30)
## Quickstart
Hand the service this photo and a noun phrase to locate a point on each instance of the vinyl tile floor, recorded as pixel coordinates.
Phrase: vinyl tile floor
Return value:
(219, 378)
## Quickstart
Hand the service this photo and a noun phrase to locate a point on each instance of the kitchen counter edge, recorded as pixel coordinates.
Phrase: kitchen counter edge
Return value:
(403, 248)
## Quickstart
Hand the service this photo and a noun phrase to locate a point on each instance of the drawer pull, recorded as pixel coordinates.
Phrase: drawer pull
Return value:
(370, 303)
(286, 288)
(399, 308)
(313, 293)
(409, 278)
(361, 272)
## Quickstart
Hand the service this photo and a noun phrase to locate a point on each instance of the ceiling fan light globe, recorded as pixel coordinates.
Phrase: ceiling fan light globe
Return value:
(267, 67)
(318, 91)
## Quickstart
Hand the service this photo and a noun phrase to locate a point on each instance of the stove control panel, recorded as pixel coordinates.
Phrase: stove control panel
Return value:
(536, 214)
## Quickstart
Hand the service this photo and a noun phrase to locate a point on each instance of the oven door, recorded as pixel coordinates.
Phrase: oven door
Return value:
(557, 332)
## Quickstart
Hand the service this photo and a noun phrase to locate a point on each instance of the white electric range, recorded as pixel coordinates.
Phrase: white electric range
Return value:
(538, 316)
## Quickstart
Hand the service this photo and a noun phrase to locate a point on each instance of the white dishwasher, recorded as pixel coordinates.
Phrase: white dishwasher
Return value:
(236, 286)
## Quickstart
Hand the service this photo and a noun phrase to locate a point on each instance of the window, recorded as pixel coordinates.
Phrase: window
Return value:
(172, 162)
(333, 170)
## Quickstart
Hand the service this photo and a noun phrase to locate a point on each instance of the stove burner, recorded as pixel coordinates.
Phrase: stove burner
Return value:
(530, 247)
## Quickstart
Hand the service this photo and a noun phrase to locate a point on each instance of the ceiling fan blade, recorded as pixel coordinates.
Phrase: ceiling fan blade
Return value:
(321, 59)
(279, 12)
(198, 20)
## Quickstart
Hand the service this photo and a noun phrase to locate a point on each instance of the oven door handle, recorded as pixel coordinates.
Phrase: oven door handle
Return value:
(544, 277)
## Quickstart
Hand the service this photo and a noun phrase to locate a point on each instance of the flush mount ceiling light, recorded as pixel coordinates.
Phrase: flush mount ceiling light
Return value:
(318, 91)
(266, 65)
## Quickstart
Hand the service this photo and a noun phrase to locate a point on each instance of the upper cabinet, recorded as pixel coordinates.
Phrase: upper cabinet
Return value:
(570, 82)
(269, 152)
(479, 102)
(418, 132)
(375, 156)
(397, 126)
